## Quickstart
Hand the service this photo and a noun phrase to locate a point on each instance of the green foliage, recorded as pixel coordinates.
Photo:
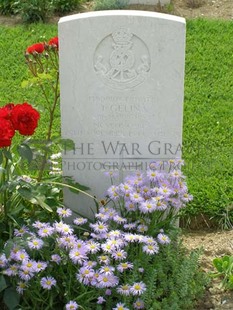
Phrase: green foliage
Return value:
(109, 4)
(224, 266)
(65, 6)
(11, 298)
(8, 7)
(37, 10)
(174, 277)
(34, 10)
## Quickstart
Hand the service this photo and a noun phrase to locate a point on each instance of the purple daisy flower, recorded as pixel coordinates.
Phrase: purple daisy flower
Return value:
(93, 247)
(78, 255)
(135, 197)
(124, 266)
(71, 305)
(113, 192)
(39, 266)
(120, 306)
(64, 212)
(56, 258)
(119, 255)
(63, 228)
(109, 280)
(48, 282)
(124, 290)
(107, 270)
(130, 206)
(45, 231)
(99, 227)
(139, 304)
(20, 232)
(138, 288)
(3, 261)
(119, 220)
(153, 175)
(21, 255)
(35, 243)
(21, 287)
(80, 221)
(148, 206)
(100, 300)
(108, 292)
(11, 271)
(26, 275)
(150, 249)
(163, 239)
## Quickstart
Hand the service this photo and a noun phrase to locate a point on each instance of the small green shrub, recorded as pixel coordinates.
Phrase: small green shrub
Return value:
(174, 278)
(34, 10)
(224, 268)
(109, 4)
(65, 6)
(7, 7)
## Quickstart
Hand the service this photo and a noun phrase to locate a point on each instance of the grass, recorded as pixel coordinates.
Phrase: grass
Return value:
(208, 116)
(208, 107)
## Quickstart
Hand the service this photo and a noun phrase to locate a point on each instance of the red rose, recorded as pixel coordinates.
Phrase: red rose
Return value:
(5, 112)
(54, 42)
(38, 47)
(25, 118)
(6, 132)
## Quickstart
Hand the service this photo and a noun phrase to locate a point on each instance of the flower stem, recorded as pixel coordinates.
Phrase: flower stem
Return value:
(49, 133)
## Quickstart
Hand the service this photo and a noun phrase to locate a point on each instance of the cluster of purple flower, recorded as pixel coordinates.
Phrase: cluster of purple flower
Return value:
(102, 260)
(158, 191)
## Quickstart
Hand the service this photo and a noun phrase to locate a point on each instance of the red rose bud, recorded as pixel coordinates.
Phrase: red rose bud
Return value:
(25, 119)
(54, 42)
(5, 112)
(6, 132)
(38, 48)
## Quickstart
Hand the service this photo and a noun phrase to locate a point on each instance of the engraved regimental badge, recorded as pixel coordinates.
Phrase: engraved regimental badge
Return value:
(122, 60)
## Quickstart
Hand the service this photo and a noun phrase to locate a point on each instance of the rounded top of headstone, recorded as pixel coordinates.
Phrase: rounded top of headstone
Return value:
(136, 13)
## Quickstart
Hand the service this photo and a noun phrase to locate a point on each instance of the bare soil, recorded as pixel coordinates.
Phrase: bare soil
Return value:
(213, 244)
(220, 9)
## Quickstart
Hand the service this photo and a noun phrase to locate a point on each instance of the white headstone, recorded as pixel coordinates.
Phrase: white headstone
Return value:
(122, 84)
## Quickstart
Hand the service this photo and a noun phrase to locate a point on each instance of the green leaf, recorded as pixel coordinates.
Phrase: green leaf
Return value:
(18, 209)
(41, 202)
(3, 284)
(67, 144)
(11, 298)
(231, 280)
(25, 152)
(25, 192)
(217, 262)
(77, 185)
(225, 265)
(8, 247)
(7, 154)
